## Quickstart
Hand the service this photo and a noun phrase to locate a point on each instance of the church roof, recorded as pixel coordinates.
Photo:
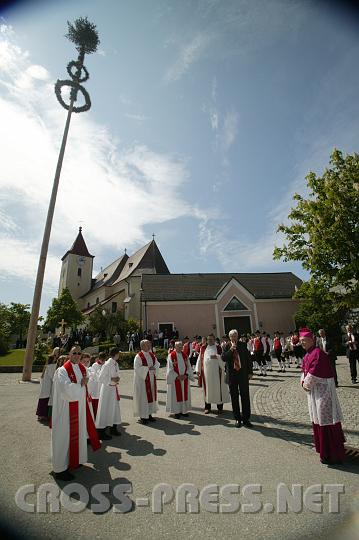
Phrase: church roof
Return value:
(207, 286)
(108, 275)
(79, 247)
(147, 258)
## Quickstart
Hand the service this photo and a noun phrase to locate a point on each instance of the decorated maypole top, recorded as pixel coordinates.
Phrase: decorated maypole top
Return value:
(85, 36)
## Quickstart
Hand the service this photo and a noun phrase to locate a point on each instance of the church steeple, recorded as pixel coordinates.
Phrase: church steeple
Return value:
(79, 247)
(76, 271)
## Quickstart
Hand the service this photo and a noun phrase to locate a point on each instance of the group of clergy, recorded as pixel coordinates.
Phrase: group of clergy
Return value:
(86, 400)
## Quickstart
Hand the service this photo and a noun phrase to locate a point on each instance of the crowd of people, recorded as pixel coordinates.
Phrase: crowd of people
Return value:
(80, 397)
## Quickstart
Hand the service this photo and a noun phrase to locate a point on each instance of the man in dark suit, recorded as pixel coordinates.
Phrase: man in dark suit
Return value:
(239, 370)
(351, 340)
(326, 345)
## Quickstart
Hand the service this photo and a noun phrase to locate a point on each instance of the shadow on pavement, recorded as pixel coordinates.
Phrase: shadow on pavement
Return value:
(174, 427)
(100, 474)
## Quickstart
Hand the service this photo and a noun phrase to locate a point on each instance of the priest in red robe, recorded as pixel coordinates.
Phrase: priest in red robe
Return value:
(72, 420)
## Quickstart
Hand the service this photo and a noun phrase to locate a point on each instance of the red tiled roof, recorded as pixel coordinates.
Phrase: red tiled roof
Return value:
(79, 247)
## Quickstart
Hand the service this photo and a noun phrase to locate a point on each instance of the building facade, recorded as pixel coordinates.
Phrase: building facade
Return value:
(203, 303)
(142, 287)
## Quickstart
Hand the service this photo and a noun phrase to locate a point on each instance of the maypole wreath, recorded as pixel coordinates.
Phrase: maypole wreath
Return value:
(85, 36)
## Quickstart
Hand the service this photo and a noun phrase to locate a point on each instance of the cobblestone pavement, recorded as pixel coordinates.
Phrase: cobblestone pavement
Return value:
(282, 404)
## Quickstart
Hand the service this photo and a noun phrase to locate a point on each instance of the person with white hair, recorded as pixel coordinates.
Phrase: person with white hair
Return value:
(146, 367)
(215, 389)
(239, 370)
(179, 373)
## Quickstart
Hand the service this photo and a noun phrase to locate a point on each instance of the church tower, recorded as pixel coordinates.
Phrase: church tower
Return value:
(76, 270)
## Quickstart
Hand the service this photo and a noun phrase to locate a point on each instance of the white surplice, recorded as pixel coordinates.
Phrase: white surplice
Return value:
(323, 403)
(108, 412)
(215, 389)
(172, 405)
(64, 392)
(46, 381)
(141, 407)
(94, 385)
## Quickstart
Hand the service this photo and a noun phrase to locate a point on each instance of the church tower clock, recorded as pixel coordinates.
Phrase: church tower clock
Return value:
(76, 270)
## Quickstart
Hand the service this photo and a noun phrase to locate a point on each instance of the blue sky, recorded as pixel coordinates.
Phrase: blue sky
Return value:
(206, 117)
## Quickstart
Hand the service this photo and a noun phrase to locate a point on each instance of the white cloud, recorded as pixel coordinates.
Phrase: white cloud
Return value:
(238, 254)
(137, 117)
(187, 55)
(115, 193)
(21, 260)
(230, 130)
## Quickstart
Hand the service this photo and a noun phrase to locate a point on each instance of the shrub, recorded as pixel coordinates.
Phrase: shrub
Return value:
(41, 353)
(106, 346)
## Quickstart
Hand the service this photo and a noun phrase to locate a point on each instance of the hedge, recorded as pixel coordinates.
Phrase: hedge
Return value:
(127, 357)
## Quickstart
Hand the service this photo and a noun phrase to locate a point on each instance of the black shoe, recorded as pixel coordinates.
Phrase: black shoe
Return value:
(114, 431)
(247, 423)
(66, 476)
(185, 415)
(177, 416)
(238, 423)
(151, 419)
(144, 421)
(325, 461)
(103, 435)
(354, 381)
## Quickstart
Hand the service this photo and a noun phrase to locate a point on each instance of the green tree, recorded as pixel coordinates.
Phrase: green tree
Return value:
(324, 230)
(132, 325)
(323, 234)
(19, 318)
(106, 324)
(5, 328)
(64, 307)
(320, 307)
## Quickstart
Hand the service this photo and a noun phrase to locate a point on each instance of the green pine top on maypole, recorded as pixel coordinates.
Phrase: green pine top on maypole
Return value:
(84, 35)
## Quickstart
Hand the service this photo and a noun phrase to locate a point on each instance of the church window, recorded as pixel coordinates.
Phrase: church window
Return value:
(114, 307)
(97, 300)
(130, 264)
(88, 304)
(235, 305)
(79, 272)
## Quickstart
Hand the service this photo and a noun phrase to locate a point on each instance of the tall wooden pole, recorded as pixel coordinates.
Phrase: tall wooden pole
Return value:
(32, 330)
(85, 36)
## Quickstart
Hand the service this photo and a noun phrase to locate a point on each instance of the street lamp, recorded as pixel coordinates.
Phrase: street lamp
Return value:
(85, 36)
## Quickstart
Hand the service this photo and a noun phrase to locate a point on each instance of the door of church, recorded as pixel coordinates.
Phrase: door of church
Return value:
(166, 326)
(241, 324)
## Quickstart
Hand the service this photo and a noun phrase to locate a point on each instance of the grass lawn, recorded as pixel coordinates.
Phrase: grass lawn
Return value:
(13, 358)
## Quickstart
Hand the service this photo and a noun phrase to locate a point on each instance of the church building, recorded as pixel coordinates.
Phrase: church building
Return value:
(142, 287)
